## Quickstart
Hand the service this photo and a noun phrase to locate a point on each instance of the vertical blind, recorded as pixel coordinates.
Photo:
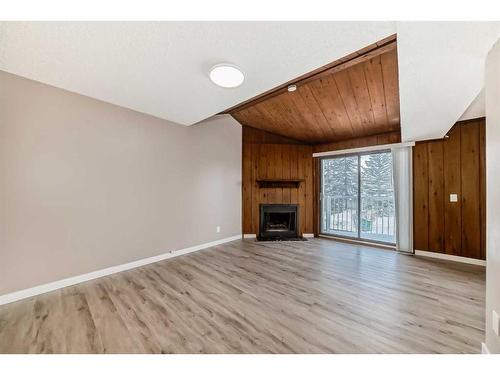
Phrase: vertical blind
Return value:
(403, 194)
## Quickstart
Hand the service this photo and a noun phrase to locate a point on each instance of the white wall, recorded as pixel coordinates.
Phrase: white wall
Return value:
(492, 194)
(86, 185)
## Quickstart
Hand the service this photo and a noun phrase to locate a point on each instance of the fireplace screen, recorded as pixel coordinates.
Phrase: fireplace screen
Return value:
(278, 221)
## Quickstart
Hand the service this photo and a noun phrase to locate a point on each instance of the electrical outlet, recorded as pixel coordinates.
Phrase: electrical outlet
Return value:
(453, 197)
(495, 322)
(217, 229)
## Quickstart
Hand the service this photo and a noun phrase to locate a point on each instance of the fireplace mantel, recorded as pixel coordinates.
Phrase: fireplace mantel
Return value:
(279, 183)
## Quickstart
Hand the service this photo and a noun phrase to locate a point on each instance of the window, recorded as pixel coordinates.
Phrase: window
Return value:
(357, 197)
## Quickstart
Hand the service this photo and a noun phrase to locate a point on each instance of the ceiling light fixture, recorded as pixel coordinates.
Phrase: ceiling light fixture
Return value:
(292, 88)
(226, 75)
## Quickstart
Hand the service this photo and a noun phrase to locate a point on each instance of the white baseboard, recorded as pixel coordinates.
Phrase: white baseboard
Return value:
(40, 289)
(484, 349)
(308, 235)
(454, 258)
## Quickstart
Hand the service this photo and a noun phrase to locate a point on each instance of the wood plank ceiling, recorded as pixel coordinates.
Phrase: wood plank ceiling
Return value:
(353, 97)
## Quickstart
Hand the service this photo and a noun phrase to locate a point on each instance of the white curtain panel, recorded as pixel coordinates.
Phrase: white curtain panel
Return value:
(403, 197)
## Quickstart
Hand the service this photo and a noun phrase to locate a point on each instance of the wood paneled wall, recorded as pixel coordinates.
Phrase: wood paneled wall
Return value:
(268, 156)
(455, 165)
(252, 135)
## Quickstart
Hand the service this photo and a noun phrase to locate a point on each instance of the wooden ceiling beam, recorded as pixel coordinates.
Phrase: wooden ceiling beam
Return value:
(367, 53)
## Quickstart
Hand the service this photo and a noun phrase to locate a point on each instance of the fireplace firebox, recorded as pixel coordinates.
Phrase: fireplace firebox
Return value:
(278, 222)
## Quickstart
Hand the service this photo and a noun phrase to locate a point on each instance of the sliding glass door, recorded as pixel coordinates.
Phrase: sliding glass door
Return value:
(340, 178)
(377, 198)
(357, 197)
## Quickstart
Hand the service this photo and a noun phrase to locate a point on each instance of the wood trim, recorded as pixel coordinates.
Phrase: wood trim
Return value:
(279, 183)
(482, 118)
(358, 150)
(376, 49)
(371, 140)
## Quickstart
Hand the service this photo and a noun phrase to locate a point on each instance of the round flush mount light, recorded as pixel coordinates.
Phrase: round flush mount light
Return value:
(226, 75)
(292, 88)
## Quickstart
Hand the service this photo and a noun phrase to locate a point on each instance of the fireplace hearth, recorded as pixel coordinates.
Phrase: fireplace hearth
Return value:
(278, 222)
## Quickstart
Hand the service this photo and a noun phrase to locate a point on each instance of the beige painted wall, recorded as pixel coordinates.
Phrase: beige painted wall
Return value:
(86, 185)
(492, 80)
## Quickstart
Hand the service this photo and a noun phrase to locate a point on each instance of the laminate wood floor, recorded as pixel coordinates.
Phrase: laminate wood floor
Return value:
(318, 296)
